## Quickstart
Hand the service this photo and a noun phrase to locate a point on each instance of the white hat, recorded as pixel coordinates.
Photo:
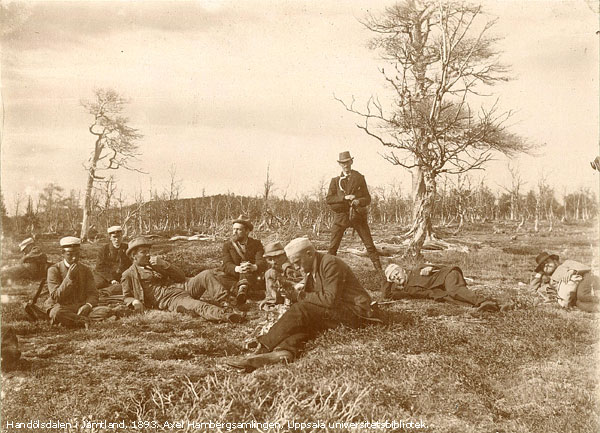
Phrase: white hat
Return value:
(391, 269)
(70, 241)
(113, 229)
(297, 245)
(26, 242)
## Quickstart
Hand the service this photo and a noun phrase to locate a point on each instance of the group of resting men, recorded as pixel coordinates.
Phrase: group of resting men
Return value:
(319, 290)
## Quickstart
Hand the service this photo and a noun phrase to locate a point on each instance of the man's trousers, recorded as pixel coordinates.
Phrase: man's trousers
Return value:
(67, 315)
(302, 322)
(341, 222)
(206, 287)
(454, 291)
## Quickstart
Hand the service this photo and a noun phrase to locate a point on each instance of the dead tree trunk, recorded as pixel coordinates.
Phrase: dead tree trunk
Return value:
(422, 211)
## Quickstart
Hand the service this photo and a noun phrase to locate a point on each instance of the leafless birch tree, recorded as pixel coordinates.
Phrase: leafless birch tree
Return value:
(441, 57)
(115, 144)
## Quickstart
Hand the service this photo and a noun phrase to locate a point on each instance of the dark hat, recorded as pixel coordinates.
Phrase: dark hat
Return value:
(136, 243)
(274, 249)
(541, 259)
(345, 157)
(244, 221)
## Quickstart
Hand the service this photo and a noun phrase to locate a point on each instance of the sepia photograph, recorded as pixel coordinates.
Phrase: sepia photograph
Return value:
(294, 215)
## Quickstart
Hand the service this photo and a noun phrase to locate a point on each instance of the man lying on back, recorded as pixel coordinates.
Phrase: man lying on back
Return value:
(440, 283)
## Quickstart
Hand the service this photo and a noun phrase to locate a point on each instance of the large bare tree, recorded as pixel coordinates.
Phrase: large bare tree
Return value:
(114, 147)
(441, 59)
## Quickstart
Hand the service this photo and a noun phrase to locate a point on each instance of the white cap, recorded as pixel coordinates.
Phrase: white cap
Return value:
(297, 245)
(70, 241)
(26, 242)
(113, 229)
(393, 269)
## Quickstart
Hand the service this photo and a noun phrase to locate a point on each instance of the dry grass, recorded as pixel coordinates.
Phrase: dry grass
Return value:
(532, 369)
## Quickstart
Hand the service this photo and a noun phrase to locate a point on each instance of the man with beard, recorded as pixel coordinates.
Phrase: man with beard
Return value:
(243, 260)
(331, 296)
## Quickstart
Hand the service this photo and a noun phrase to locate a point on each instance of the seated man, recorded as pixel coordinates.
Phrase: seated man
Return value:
(73, 295)
(331, 296)
(33, 266)
(111, 262)
(276, 284)
(440, 283)
(281, 283)
(151, 282)
(242, 260)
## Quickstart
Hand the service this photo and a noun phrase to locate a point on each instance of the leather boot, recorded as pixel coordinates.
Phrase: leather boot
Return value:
(242, 294)
(252, 362)
(376, 263)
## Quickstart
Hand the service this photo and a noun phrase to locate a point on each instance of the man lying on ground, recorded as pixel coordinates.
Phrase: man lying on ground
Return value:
(541, 280)
(440, 283)
(73, 296)
(151, 282)
(332, 296)
(570, 284)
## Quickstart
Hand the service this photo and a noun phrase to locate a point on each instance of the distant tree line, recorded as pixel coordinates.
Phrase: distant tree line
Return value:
(459, 201)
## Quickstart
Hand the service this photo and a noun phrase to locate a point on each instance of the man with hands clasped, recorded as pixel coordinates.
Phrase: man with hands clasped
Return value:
(348, 198)
(243, 261)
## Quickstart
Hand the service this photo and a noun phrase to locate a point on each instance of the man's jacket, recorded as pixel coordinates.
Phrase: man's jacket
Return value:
(232, 258)
(354, 184)
(112, 262)
(166, 283)
(76, 289)
(335, 286)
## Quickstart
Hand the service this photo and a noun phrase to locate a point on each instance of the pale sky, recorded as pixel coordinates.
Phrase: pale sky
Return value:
(220, 89)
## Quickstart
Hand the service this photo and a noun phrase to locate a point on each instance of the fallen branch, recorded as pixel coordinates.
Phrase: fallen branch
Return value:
(388, 250)
(196, 237)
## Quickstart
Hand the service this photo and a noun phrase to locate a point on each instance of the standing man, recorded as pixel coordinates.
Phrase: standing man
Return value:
(349, 197)
(243, 260)
(332, 296)
(111, 262)
(73, 296)
(151, 282)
